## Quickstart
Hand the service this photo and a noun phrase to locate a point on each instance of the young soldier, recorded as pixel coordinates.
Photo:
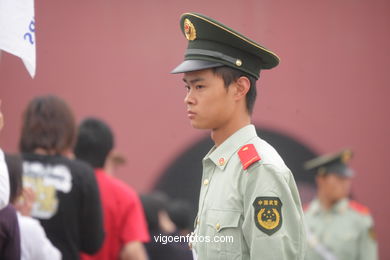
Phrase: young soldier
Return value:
(338, 228)
(247, 191)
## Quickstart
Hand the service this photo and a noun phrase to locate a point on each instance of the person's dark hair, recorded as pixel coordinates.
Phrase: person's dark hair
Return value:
(153, 203)
(94, 142)
(180, 212)
(230, 75)
(15, 171)
(48, 123)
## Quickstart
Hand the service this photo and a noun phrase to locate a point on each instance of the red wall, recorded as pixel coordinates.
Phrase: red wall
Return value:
(112, 59)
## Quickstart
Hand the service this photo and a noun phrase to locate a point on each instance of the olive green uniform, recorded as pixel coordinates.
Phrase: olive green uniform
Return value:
(259, 207)
(344, 232)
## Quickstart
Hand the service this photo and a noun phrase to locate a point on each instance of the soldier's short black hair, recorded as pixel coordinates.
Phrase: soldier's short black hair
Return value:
(94, 142)
(230, 75)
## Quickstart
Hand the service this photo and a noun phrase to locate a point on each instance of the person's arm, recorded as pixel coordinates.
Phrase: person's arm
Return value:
(368, 248)
(91, 218)
(135, 230)
(134, 250)
(273, 224)
(4, 181)
(25, 202)
(40, 247)
(4, 177)
(10, 233)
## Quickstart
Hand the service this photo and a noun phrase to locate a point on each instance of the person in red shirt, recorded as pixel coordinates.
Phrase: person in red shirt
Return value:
(124, 220)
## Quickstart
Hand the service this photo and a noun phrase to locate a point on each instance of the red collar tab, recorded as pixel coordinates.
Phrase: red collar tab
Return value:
(248, 155)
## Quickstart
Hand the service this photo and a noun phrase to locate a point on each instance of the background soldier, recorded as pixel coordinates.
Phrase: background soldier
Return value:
(338, 228)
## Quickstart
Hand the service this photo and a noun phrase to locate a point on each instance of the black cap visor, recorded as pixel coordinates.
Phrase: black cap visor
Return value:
(194, 65)
(341, 170)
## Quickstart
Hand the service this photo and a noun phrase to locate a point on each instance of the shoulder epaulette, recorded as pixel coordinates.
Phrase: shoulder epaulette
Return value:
(359, 207)
(248, 155)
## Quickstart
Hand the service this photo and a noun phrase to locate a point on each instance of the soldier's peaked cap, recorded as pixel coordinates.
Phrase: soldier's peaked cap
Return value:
(332, 163)
(212, 44)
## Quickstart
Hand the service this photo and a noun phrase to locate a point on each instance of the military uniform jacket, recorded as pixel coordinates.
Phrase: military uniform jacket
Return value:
(249, 206)
(344, 232)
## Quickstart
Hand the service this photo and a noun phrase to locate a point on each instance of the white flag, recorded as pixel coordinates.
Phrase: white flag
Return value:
(17, 30)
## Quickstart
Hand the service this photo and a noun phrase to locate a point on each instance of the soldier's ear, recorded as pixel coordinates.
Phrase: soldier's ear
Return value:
(242, 87)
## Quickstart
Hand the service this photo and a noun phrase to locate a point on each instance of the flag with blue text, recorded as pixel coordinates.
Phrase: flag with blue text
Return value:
(17, 31)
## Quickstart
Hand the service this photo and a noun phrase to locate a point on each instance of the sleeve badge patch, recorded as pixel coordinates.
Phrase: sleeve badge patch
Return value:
(268, 214)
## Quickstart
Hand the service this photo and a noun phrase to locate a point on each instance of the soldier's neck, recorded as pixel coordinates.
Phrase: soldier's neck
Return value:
(326, 202)
(223, 132)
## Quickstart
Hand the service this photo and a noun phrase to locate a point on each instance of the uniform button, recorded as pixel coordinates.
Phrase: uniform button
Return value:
(197, 221)
(190, 242)
(217, 226)
(206, 181)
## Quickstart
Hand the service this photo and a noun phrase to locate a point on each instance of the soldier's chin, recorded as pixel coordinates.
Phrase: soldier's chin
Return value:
(197, 125)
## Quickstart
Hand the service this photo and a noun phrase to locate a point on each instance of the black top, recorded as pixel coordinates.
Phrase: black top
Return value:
(9, 234)
(67, 203)
(159, 250)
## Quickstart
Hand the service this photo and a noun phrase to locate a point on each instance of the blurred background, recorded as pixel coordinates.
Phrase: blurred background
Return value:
(111, 59)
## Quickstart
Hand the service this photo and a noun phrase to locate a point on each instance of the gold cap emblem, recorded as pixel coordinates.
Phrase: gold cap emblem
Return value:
(346, 156)
(189, 30)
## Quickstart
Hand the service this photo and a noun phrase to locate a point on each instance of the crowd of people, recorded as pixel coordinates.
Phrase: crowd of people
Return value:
(60, 200)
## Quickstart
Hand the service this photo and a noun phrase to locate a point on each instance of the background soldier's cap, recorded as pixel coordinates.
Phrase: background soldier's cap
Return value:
(212, 44)
(332, 163)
